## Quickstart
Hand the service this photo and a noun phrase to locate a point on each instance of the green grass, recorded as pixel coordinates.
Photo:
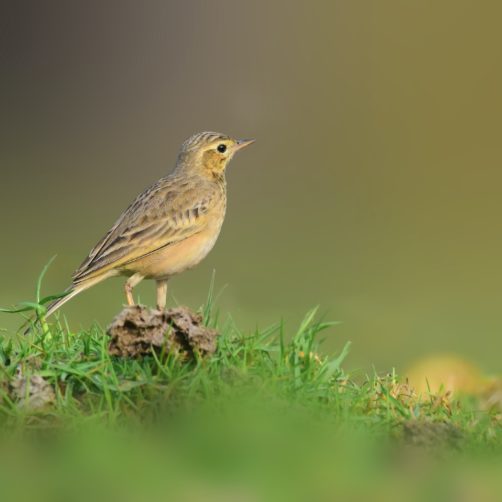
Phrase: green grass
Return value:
(54, 378)
(268, 405)
(287, 371)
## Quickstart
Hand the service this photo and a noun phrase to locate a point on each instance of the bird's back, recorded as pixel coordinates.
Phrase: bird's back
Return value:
(172, 209)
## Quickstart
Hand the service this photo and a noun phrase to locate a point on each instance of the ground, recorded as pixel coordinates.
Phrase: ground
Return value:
(269, 397)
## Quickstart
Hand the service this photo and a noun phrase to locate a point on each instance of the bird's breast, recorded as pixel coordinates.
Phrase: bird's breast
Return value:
(176, 258)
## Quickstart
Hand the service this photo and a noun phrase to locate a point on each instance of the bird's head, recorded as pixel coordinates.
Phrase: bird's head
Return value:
(209, 153)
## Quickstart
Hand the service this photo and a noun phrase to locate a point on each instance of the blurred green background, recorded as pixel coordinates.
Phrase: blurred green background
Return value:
(373, 189)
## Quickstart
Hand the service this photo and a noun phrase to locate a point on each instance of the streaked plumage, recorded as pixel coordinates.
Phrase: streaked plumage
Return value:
(169, 227)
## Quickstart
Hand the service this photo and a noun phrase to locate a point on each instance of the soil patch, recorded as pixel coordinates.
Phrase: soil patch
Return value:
(138, 329)
(32, 392)
(430, 434)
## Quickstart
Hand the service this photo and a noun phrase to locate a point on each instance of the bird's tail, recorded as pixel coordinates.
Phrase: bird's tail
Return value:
(76, 289)
(56, 304)
(73, 291)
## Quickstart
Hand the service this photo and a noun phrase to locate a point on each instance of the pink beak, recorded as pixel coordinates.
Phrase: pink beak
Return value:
(242, 143)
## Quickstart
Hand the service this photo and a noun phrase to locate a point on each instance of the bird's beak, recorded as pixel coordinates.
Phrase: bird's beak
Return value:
(242, 143)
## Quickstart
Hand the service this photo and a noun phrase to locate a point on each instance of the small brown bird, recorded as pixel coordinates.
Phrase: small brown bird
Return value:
(168, 228)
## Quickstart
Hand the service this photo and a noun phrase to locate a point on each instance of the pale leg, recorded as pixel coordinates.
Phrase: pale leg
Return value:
(130, 284)
(161, 294)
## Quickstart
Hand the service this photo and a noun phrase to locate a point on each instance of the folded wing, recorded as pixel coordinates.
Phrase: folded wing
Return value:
(168, 212)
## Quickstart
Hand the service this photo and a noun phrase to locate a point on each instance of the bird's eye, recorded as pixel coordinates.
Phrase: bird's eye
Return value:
(222, 148)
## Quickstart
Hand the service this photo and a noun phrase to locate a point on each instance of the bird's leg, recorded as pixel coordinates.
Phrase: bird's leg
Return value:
(130, 284)
(161, 294)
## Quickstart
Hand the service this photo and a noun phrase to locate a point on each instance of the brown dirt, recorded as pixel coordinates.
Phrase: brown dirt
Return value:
(428, 434)
(138, 329)
(32, 392)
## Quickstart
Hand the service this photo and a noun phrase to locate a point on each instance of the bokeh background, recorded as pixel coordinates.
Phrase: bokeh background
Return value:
(374, 188)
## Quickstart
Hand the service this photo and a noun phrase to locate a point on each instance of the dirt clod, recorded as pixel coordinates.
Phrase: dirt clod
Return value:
(32, 392)
(428, 434)
(138, 329)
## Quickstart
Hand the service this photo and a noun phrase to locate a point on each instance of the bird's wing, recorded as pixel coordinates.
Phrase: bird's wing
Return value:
(166, 213)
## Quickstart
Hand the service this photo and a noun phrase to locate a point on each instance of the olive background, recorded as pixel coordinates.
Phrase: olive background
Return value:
(373, 190)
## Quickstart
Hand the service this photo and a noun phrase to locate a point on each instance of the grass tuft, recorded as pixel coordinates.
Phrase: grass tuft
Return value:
(55, 378)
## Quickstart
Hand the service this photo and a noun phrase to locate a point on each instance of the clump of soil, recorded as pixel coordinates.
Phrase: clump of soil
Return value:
(428, 434)
(138, 329)
(32, 393)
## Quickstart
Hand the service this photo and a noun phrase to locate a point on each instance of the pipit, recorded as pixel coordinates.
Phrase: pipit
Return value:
(168, 228)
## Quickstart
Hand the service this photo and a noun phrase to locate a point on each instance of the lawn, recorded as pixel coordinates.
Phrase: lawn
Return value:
(269, 402)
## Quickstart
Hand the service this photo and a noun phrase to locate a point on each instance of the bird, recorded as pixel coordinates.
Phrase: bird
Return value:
(169, 228)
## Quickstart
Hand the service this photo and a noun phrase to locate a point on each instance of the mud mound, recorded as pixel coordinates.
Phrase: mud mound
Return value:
(138, 329)
(428, 434)
(31, 393)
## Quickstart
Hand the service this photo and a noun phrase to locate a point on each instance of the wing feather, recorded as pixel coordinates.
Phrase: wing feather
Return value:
(171, 210)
